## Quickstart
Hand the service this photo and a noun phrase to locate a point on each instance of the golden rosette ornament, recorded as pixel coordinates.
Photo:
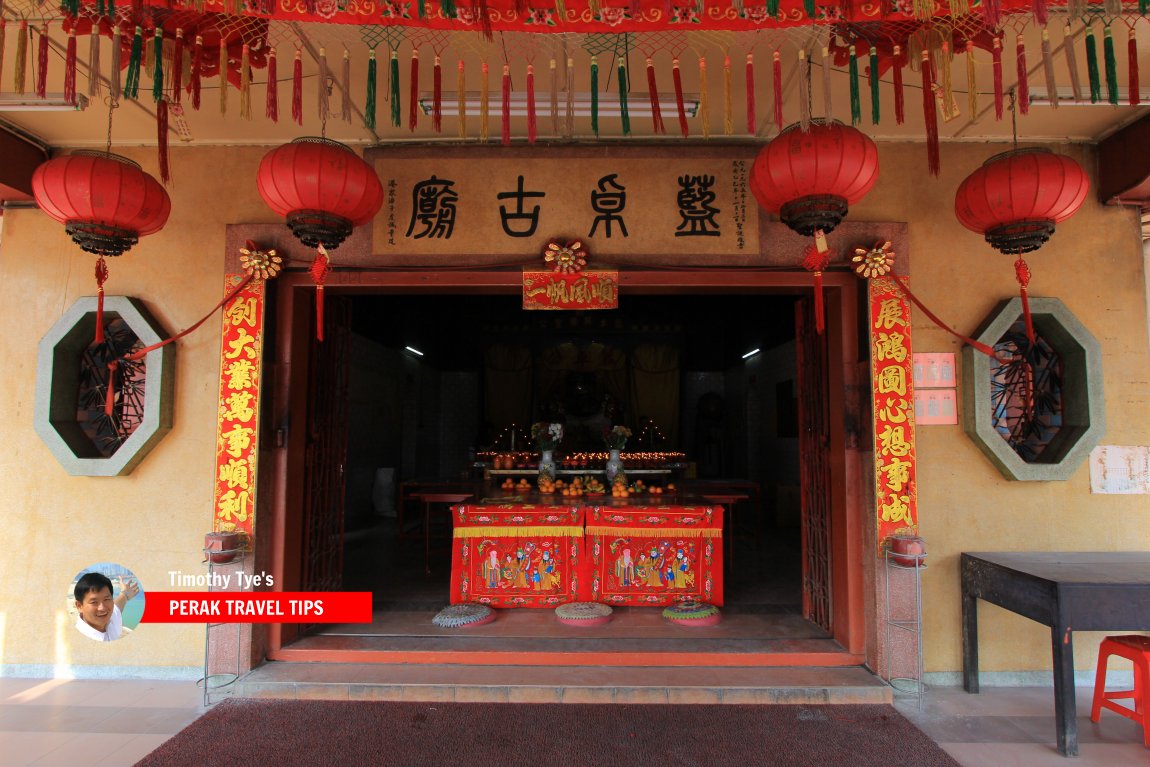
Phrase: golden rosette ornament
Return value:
(565, 258)
(874, 262)
(260, 264)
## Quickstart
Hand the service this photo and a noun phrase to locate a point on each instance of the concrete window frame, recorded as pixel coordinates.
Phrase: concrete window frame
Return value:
(1084, 415)
(58, 382)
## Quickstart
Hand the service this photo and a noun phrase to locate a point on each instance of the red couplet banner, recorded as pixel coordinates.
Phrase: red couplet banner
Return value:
(257, 607)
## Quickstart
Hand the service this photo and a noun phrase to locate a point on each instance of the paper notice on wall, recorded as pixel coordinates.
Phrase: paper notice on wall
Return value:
(1120, 469)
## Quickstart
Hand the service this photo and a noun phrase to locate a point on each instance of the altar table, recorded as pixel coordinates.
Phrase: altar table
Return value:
(646, 552)
(509, 553)
(1065, 591)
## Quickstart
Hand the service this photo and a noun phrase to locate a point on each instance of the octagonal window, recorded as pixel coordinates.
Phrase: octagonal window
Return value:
(74, 383)
(1037, 411)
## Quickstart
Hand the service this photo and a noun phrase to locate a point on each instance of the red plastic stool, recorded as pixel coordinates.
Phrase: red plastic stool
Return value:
(1134, 648)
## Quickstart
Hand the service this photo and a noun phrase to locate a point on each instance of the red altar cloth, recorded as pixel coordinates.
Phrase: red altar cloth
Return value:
(517, 554)
(644, 552)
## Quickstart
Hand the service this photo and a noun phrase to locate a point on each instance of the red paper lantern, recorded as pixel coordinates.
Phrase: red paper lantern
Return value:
(1016, 198)
(810, 178)
(321, 187)
(106, 202)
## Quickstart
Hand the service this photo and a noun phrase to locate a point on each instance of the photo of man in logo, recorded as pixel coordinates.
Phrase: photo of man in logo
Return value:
(101, 609)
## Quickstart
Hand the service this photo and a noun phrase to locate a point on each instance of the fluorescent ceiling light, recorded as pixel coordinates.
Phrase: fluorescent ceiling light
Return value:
(413, 350)
(751, 353)
(638, 104)
(52, 102)
(1065, 97)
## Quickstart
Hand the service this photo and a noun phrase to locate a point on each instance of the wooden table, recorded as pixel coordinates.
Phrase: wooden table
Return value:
(1067, 591)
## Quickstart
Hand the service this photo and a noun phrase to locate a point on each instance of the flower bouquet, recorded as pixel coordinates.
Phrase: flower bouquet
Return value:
(547, 435)
(616, 437)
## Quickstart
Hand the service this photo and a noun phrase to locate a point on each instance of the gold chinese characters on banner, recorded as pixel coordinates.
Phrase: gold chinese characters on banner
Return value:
(592, 289)
(896, 492)
(241, 351)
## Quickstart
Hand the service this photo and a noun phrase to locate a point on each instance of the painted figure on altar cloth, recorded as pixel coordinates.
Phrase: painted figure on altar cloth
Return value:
(545, 576)
(625, 569)
(507, 572)
(681, 574)
(655, 568)
(490, 569)
(521, 563)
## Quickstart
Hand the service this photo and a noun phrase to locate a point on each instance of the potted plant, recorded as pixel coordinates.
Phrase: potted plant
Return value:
(616, 439)
(547, 436)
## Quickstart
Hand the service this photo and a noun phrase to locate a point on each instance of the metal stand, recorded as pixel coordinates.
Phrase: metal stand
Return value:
(215, 683)
(910, 624)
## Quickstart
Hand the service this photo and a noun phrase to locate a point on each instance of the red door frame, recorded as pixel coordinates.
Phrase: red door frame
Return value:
(278, 538)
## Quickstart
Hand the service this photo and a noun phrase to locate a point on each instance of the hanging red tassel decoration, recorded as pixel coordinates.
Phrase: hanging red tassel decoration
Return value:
(1022, 274)
(101, 278)
(992, 12)
(679, 98)
(320, 269)
(1023, 82)
(297, 89)
(162, 139)
(506, 110)
(752, 120)
(42, 63)
(437, 95)
(815, 259)
(653, 93)
(272, 104)
(996, 55)
(178, 66)
(70, 68)
(930, 115)
(197, 63)
(413, 97)
(899, 97)
(1132, 54)
(532, 126)
(110, 389)
(777, 84)
(1040, 14)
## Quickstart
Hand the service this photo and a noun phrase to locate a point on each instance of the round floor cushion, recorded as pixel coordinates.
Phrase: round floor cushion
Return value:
(693, 614)
(458, 616)
(583, 614)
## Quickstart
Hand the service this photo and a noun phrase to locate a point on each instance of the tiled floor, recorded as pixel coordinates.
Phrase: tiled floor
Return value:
(84, 723)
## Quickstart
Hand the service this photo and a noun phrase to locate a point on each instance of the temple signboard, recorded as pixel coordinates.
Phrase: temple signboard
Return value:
(490, 204)
(593, 289)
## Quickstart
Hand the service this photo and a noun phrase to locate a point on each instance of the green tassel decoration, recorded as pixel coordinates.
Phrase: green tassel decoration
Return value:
(369, 102)
(448, 7)
(71, 7)
(773, 8)
(132, 80)
(112, 9)
(809, 7)
(1111, 67)
(158, 77)
(594, 96)
(624, 114)
(1092, 67)
(1143, 6)
(422, 8)
(100, 9)
(856, 100)
(395, 106)
(874, 98)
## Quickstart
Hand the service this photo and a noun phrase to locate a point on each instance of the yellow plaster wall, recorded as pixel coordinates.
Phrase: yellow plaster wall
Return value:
(152, 521)
(1094, 264)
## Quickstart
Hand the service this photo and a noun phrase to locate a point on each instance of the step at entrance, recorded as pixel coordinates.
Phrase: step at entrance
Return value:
(563, 684)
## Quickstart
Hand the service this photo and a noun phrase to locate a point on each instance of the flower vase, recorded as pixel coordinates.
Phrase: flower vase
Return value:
(614, 466)
(546, 465)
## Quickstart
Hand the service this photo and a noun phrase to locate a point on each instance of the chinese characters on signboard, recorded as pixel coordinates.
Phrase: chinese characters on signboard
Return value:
(583, 290)
(237, 426)
(479, 206)
(892, 388)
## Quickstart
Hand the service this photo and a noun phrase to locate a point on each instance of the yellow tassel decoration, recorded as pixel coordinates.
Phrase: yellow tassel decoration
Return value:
(245, 84)
(704, 107)
(484, 127)
(728, 107)
(223, 76)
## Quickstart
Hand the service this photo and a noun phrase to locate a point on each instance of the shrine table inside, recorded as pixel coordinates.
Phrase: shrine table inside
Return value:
(534, 550)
